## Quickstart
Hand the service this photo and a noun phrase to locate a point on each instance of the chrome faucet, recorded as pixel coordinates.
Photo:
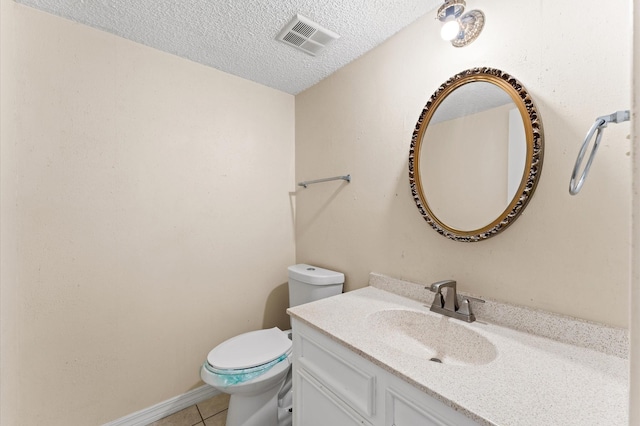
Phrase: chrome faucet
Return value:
(448, 303)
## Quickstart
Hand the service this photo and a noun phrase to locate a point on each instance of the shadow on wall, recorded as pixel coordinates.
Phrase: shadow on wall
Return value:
(302, 228)
(275, 310)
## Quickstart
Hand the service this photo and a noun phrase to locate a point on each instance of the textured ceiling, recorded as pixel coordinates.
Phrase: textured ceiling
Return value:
(238, 36)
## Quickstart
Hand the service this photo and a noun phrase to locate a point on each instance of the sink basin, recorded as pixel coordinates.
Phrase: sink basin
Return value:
(430, 337)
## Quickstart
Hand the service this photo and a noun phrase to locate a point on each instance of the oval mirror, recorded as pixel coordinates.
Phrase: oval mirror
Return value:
(476, 154)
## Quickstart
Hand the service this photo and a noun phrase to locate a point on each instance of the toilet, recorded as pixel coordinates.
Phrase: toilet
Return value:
(254, 368)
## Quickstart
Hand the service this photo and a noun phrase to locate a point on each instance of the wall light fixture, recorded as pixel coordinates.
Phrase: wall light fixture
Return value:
(461, 29)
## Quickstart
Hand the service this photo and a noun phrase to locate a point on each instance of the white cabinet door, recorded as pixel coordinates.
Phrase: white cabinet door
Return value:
(402, 410)
(340, 371)
(318, 406)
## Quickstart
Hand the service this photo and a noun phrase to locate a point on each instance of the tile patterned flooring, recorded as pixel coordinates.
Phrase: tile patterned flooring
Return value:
(211, 412)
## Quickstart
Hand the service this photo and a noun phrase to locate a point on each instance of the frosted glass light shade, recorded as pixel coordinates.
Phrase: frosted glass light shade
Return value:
(450, 30)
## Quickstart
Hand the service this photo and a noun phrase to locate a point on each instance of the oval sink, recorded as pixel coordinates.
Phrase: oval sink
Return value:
(431, 337)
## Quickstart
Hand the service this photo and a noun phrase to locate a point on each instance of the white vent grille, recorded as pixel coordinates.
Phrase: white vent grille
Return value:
(306, 35)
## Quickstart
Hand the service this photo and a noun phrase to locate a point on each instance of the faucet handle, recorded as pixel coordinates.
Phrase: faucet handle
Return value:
(438, 300)
(475, 299)
(465, 307)
(465, 310)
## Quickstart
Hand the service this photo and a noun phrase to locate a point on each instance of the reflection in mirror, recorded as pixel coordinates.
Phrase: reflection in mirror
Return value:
(475, 155)
(473, 126)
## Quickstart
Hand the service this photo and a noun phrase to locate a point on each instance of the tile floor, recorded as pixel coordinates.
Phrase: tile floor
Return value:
(211, 412)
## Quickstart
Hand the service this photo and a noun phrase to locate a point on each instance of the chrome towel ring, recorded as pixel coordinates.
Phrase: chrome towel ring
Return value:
(598, 129)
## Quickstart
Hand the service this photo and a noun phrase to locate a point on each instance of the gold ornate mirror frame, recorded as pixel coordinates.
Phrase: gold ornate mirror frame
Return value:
(533, 161)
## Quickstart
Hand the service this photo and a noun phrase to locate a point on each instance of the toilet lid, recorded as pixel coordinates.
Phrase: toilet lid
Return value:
(249, 349)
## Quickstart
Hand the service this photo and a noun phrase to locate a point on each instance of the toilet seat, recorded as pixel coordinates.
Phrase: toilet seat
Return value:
(250, 350)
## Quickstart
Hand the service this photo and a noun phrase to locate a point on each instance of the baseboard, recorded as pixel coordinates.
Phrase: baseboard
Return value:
(166, 408)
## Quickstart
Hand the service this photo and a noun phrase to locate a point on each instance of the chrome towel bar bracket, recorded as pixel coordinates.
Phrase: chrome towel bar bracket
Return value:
(311, 182)
(598, 128)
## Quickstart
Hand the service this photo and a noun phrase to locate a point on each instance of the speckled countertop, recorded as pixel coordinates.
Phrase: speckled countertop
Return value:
(527, 380)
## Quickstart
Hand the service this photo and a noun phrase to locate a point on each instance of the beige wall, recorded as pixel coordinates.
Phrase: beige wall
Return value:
(146, 217)
(564, 254)
(634, 294)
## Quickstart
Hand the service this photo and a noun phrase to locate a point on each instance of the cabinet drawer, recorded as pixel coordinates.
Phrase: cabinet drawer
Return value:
(354, 385)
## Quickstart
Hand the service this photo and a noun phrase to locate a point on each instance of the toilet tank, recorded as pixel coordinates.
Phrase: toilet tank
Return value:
(308, 283)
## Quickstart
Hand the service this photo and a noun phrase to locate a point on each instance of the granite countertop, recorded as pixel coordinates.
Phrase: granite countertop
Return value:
(527, 380)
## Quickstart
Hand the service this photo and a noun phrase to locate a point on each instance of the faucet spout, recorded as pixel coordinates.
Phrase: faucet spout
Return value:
(451, 296)
(438, 285)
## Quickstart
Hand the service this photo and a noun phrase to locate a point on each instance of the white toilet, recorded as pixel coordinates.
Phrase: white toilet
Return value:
(254, 367)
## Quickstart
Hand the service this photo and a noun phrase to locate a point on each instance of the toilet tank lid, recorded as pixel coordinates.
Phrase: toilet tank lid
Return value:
(314, 275)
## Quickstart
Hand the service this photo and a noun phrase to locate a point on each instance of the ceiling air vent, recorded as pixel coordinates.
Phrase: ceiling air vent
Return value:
(306, 35)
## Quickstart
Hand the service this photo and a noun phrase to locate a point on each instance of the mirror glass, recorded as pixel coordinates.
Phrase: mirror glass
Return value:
(476, 155)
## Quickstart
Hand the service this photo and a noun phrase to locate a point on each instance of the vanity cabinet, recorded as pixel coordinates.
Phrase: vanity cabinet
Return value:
(333, 385)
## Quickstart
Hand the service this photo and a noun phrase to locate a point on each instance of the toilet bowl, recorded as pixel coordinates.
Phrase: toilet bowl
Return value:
(254, 368)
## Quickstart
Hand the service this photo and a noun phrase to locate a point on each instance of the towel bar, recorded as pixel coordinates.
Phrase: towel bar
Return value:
(311, 182)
